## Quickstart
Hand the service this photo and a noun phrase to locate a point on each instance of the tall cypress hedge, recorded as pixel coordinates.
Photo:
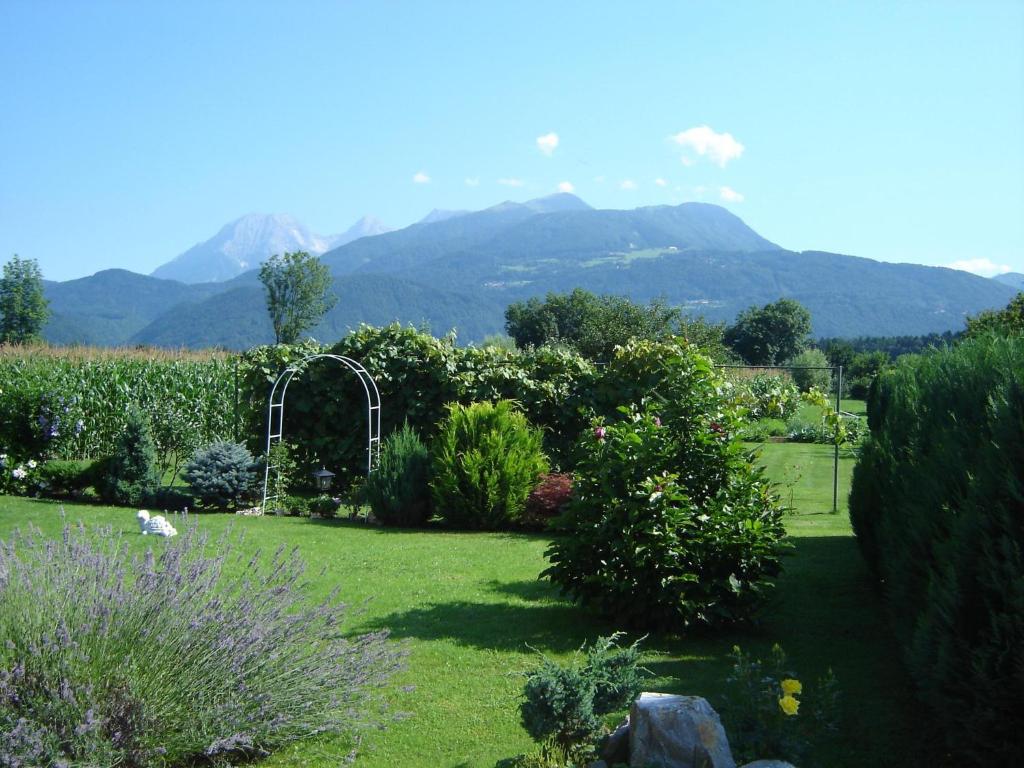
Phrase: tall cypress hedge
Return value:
(937, 504)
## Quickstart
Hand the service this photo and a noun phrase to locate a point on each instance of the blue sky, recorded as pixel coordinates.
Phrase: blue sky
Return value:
(131, 131)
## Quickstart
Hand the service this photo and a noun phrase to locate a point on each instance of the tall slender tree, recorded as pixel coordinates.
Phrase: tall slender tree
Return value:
(23, 307)
(298, 288)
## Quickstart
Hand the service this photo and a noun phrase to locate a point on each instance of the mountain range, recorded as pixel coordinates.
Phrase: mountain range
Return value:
(245, 243)
(459, 270)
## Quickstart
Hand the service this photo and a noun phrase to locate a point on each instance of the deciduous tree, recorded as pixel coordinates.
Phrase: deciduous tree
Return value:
(298, 288)
(770, 334)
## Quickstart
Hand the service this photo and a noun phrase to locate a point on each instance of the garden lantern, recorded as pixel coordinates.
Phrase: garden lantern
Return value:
(323, 479)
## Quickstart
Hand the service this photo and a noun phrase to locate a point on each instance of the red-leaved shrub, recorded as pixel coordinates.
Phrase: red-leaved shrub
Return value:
(546, 500)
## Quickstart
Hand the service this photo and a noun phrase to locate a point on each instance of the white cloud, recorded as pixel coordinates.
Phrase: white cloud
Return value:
(628, 184)
(548, 143)
(719, 147)
(661, 182)
(984, 267)
(730, 195)
(566, 186)
(472, 181)
(420, 178)
(687, 161)
(511, 182)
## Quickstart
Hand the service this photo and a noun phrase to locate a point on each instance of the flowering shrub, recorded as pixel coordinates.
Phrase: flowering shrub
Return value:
(671, 525)
(767, 713)
(18, 478)
(166, 659)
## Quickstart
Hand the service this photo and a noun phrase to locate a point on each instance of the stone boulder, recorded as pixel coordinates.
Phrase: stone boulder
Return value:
(669, 731)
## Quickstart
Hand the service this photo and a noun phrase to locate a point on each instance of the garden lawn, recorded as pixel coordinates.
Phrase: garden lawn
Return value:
(473, 613)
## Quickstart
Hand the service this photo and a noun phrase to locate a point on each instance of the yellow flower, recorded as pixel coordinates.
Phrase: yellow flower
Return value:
(792, 687)
(789, 705)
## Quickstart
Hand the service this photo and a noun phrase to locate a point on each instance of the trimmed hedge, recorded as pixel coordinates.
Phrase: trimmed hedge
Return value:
(937, 503)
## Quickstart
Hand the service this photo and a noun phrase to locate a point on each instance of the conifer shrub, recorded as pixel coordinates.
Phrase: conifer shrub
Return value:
(937, 504)
(563, 703)
(131, 475)
(221, 474)
(398, 490)
(171, 658)
(487, 458)
(671, 524)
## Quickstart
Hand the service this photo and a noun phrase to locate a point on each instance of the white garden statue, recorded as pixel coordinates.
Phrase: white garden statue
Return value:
(157, 525)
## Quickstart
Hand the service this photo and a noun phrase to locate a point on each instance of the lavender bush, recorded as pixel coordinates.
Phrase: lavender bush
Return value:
(171, 658)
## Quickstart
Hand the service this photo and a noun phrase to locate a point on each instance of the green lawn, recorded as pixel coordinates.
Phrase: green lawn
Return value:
(471, 608)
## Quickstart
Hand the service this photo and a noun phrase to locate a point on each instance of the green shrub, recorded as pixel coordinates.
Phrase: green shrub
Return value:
(937, 504)
(671, 524)
(768, 396)
(131, 475)
(297, 506)
(221, 474)
(810, 379)
(486, 460)
(323, 506)
(398, 490)
(172, 657)
(563, 704)
(64, 478)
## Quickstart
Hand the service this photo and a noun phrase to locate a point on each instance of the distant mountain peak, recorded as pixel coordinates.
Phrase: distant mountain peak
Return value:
(559, 201)
(246, 242)
(1012, 279)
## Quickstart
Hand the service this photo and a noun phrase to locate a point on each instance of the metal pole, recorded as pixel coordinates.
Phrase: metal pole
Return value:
(835, 459)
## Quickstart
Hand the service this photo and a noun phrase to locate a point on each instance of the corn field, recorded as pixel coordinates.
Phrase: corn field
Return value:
(71, 403)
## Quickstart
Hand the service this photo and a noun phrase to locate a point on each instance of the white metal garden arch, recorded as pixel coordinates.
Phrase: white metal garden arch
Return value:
(275, 410)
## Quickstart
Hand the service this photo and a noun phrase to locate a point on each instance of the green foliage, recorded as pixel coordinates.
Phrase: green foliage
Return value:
(770, 714)
(937, 503)
(64, 478)
(323, 506)
(298, 291)
(23, 307)
(593, 325)
(1005, 322)
(768, 396)
(770, 334)
(398, 490)
(486, 460)
(563, 703)
(671, 525)
(131, 475)
(807, 379)
(417, 375)
(283, 475)
(73, 404)
(221, 474)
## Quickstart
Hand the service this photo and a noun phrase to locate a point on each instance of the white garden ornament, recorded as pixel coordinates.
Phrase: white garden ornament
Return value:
(157, 525)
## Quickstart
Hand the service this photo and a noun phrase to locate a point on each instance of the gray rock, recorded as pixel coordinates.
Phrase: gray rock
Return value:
(668, 731)
(616, 747)
(769, 764)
